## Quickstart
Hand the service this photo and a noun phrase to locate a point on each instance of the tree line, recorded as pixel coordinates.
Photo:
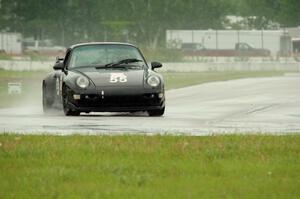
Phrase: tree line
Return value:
(137, 21)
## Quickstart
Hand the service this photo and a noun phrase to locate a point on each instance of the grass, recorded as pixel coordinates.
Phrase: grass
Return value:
(31, 82)
(175, 80)
(4, 56)
(149, 166)
(34, 56)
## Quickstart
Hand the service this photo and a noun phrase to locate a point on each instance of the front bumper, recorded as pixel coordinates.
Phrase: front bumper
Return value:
(115, 102)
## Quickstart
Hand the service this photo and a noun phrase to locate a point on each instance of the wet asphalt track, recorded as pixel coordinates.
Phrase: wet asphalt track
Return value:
(264, 105)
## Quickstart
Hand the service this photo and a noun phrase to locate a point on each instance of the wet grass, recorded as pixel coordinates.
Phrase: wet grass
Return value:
(175, 80)
(149, 166)
(32, 81)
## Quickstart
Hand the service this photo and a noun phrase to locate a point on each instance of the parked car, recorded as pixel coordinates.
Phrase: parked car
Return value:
(240, 49)
(296, 48)
(104, 77)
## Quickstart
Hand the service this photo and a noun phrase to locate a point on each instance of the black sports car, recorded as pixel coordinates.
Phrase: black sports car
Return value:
(104, 77)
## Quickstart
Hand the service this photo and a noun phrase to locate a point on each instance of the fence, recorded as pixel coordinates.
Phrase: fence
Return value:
(278, 42)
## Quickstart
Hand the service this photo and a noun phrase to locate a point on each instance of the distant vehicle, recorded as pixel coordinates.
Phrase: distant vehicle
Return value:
(104, 77)
(296, 48)
(240, 49)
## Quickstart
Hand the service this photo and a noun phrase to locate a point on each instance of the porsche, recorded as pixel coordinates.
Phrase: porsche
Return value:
(104, 77)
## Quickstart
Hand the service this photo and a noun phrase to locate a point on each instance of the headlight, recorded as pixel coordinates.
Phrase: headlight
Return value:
(153, 81)
(82, 82)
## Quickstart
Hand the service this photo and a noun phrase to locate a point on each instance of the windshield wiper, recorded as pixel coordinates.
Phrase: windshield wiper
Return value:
(117, 64)
(83, 66)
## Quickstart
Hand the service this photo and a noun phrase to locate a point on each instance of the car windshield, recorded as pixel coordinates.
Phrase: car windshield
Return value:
(103, 55)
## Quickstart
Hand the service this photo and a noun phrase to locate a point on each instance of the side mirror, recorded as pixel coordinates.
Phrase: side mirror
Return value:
(155, 65)
(58, 66)
(59, 59)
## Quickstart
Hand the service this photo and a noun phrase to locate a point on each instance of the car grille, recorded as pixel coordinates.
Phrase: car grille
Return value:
(118, 101)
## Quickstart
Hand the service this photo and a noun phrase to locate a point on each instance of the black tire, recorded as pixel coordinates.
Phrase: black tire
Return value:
(157, 112)
(47, 103)
(67, 110)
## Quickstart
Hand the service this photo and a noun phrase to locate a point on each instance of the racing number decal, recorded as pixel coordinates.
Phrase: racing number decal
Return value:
(118, 77)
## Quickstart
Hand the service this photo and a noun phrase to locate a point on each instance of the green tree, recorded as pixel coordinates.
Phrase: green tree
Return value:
(138, 21)
(290, 13)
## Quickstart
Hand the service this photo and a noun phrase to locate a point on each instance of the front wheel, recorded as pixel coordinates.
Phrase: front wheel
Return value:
(157, 112)
(67, 110)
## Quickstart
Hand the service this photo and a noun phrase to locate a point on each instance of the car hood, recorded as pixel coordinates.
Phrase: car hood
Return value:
(114, 77)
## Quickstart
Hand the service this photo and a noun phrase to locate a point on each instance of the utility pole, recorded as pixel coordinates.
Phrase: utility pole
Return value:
(217, 43)
(262, 38)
